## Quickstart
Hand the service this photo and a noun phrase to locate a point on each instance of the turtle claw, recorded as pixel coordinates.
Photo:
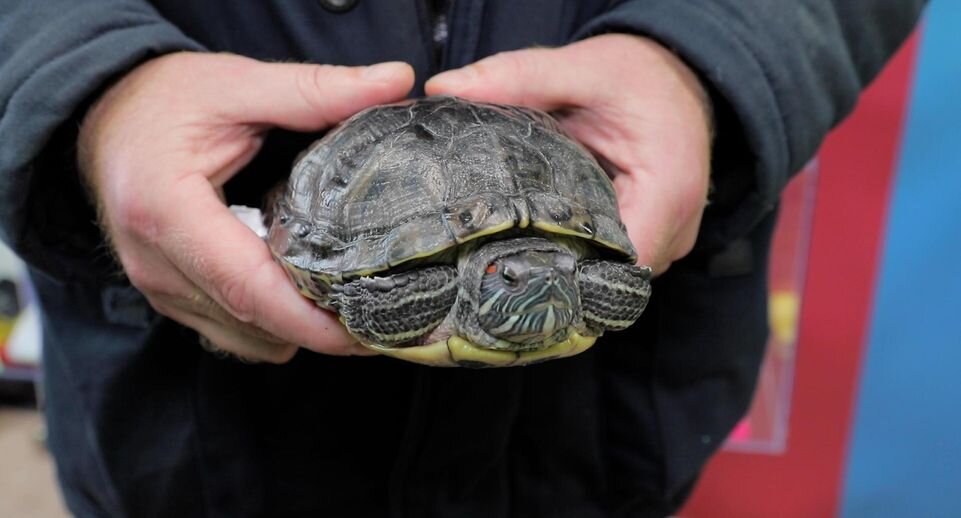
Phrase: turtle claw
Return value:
(646, 272)
(458, 352)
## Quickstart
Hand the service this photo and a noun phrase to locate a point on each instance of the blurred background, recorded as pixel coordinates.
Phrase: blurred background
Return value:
(857, 411)
(27, 481)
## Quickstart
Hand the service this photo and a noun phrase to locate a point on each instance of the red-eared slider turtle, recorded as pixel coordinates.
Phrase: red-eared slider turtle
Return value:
(449, 232)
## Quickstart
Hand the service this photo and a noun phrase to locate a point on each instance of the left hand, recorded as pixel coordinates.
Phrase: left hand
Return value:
(636, 106)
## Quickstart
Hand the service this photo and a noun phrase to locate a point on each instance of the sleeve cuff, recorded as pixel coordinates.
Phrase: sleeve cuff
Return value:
(48, 79)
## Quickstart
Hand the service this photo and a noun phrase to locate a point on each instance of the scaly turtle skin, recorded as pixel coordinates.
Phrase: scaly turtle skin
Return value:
(449, 232)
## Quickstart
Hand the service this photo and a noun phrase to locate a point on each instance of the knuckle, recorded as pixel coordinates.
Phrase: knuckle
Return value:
(237, 297)
(514, 71)
(311, 81)
(236, 300)
(246, 292)
(132, 216)
(510, 64)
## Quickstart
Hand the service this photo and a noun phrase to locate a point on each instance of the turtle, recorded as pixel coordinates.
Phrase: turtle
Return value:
(449, 232)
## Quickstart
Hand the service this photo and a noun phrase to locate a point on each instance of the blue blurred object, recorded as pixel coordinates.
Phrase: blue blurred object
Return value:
(905, 456)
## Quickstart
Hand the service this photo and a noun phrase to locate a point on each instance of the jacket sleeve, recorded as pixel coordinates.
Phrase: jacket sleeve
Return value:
(55, 55)
(781, 74)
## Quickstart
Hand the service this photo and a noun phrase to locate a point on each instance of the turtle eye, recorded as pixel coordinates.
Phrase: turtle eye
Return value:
(510, 278)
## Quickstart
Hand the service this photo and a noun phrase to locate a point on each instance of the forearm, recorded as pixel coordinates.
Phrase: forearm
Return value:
(54, 56)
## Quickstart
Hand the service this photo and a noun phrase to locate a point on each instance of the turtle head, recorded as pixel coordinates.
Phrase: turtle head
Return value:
(529, 296)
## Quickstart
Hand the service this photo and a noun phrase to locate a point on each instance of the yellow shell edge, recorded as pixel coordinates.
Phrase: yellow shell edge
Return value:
(456, 351)
(486, 232)
(557, 229)
(435, 354)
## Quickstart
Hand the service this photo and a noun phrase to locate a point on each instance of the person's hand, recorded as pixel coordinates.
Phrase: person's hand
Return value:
(155, 150)
(636, 106)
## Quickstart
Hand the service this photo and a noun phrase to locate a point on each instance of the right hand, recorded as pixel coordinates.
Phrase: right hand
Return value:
(157, 148)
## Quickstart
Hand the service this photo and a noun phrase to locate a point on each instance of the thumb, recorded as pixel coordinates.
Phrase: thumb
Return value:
(541, 78)
(306, 97)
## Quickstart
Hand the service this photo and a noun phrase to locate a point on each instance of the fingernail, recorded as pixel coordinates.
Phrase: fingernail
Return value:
(383, 72)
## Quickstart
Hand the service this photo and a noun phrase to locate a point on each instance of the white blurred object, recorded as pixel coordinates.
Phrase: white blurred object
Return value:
(23, 344)
(251, 217)
(21, 348)
(10, 265)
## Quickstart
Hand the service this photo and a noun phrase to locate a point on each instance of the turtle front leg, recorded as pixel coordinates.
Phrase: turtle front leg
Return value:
(397, 309)
(613, 295)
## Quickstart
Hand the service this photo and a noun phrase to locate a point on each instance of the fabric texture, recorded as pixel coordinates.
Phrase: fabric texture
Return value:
(143, 423)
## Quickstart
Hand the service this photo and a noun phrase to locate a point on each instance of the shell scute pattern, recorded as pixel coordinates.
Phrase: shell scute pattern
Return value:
(405, 181)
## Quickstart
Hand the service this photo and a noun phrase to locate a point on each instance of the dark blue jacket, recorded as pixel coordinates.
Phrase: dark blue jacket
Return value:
(143, 423)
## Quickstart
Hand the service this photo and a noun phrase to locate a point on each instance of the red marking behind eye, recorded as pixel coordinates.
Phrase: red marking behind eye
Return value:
(492, 268)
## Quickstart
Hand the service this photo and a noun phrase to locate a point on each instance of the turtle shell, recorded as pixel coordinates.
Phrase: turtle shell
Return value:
(400, 182)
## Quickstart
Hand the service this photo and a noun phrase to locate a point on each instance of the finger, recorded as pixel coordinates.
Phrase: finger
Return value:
(200, 304)
(238, 343)
(172, 294)
(205, 308)
(234, 267)
(662, 219)
(540, 78)
(309, 97)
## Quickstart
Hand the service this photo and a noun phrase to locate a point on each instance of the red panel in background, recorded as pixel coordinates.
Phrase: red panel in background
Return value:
(856, 168)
